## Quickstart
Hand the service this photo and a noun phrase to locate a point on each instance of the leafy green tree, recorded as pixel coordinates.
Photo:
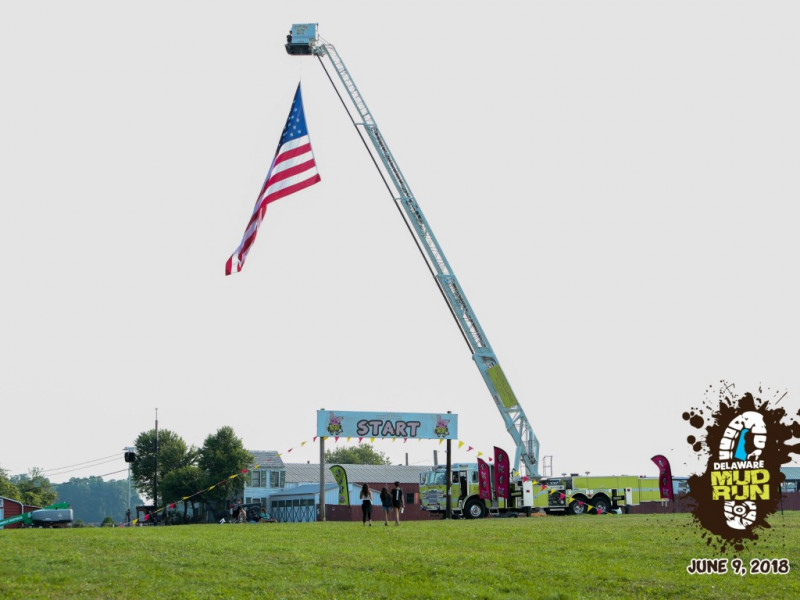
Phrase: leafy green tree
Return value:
(8, 489)
(172, 454)
(223, 455)
(183, 482)
(34, 488)
(363, 454)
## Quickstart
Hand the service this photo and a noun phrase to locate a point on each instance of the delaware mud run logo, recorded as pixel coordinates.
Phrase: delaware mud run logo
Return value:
(746, 443)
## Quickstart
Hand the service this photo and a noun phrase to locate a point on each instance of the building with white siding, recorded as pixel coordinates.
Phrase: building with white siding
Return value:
(267, 476)
(291, 490)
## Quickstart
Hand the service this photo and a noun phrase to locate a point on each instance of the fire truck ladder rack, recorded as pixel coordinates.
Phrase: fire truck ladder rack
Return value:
(517, 424)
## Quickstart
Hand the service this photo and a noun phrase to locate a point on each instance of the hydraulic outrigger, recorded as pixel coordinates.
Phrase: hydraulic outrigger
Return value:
(304, 40)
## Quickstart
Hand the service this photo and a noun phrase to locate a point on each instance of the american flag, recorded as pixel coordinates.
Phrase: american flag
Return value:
(292, 169)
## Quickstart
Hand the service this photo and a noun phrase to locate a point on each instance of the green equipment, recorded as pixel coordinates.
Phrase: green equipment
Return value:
(58, 514)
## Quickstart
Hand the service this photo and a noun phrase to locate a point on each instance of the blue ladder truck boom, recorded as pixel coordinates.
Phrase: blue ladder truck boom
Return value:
(304, 40)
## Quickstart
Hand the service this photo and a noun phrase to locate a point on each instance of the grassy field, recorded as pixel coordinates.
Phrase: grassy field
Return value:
(613, 556)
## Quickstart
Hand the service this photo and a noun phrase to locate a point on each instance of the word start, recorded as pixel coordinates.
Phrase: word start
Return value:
(381, 428)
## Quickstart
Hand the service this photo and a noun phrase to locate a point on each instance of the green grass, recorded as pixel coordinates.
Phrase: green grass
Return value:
(614, 556)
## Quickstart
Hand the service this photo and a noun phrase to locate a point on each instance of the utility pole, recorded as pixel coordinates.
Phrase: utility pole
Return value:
(448, 512)
(322, 516)
(155, 474)
(129, 458)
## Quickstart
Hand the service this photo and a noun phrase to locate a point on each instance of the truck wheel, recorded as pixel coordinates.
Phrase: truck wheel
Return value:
(577, 506)
(601, 505)
(474, 509)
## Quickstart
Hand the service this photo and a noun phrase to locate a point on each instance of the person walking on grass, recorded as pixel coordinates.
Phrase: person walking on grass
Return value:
(386, 503)
(397, 501)
(366, 504)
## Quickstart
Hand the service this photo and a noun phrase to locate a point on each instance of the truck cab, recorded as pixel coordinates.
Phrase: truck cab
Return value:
(463, 490)
(466, 500)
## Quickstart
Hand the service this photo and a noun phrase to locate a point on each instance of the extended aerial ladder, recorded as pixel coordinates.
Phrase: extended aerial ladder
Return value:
(304, 40)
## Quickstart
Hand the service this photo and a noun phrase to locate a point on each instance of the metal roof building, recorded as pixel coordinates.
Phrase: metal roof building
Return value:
(267, 475)
(301, 473)
(299, 504)
(266, 459)
(290, 491)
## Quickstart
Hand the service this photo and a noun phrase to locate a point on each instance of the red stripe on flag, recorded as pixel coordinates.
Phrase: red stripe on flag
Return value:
(291, 172)
(286, 155)
(257, 216)
(291, 189)
(241, 254)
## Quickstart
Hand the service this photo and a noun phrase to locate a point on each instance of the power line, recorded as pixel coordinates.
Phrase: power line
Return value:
(83, 468)
(82, 463)
(112, 473)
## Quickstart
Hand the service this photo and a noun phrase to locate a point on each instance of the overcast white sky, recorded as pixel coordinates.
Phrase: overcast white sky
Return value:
(615, 184)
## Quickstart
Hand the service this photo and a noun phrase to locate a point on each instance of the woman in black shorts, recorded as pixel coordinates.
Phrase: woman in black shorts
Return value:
(366, 504)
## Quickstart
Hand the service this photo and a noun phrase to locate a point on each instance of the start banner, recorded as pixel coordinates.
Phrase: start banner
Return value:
(428, 426)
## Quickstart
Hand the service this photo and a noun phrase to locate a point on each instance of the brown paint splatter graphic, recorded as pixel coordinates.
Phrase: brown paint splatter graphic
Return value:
(746, 443)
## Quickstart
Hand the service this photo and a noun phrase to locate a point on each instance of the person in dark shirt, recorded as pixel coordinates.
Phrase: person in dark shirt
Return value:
(397, 502)
(386, 503)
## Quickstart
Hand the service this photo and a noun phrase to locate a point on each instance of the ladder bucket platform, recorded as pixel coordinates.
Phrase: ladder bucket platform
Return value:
(302, 38)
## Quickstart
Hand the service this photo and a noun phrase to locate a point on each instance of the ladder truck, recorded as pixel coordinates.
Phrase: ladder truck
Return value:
(304, 40)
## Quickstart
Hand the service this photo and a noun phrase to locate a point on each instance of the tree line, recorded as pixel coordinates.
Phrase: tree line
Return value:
(32, 488)
(92, 500)
(182, 471)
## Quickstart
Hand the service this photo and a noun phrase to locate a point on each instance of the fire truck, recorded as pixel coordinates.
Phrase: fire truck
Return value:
(569, 494)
